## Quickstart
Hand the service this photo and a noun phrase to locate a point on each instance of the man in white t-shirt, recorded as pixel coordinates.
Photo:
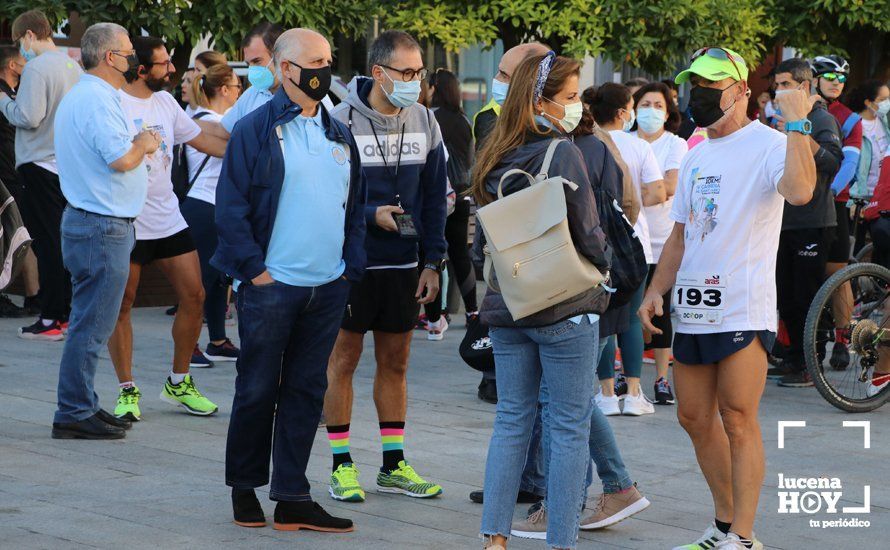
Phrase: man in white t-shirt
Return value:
(721, 260)
(162, 235)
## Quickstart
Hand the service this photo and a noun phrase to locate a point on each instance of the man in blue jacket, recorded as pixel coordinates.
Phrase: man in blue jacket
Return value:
(404, 160)
(290, 210)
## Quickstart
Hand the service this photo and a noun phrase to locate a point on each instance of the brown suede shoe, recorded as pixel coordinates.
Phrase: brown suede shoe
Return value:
(614, 507)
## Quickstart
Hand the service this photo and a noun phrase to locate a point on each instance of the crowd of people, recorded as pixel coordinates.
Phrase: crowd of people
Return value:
(633, 233)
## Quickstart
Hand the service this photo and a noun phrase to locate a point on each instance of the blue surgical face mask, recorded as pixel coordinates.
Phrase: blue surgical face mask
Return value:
(499, 91)
(260, 77)
(629, 123)
(28, 54)
(404, 94)
(650, 119)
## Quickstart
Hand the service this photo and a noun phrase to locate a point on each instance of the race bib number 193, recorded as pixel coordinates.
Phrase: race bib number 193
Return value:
(700, 298)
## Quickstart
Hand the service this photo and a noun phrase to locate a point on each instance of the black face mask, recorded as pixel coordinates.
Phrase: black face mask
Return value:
(132, 72)
(315, 83)
(704, 105)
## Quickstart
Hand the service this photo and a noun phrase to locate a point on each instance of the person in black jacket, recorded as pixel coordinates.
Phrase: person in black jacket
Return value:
(555, 345)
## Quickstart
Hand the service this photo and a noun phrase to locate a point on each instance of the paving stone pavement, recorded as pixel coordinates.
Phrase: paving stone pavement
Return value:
(162, 487)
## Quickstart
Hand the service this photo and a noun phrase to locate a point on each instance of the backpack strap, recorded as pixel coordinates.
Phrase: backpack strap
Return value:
(548, 158)
(514, 172)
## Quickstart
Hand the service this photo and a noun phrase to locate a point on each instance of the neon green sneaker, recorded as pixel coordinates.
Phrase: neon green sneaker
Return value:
(186, 395)
(128, 404)
(405, 481)
(345, 485)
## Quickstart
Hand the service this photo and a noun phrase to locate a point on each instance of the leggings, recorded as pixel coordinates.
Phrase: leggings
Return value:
(200, 217)
(630, 341)
(456, 227)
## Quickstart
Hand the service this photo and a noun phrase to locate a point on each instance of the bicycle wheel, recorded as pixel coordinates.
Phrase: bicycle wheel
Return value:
(864, 255)
(850, 389)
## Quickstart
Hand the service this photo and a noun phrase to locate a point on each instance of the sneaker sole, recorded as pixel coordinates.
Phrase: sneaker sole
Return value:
(796, 385)
(631, 510)
(774, 376)
(29, 336)
(353, 498)
(70, 434)
(636, 413)
(220, 358)
(178, 403)
(435, 337)
(529, 534)
(298, 526)
(665, 402)
(200, 365)
(251, 524)
(129, 416)
(398, 491)
(611, 413)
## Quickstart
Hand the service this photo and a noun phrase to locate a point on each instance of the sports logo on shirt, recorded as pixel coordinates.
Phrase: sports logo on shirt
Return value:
(704, 194)
(415, 147)
(339, 155)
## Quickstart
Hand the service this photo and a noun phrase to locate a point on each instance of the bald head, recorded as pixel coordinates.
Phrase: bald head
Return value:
(516, 55)
(301, 46)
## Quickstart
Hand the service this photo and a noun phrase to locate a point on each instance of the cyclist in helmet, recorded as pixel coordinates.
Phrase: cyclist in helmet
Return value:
(830, 74)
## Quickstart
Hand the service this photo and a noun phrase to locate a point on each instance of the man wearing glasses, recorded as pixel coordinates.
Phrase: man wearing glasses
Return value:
(162, 235)
(720, 261)
(403, 160)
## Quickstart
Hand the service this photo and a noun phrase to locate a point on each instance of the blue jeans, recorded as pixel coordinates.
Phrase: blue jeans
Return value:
(200, 217)
(560, 355)
(287, 334)
(96, 251)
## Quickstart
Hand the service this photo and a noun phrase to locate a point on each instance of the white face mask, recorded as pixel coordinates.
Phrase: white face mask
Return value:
(571, 115)
(883, 107)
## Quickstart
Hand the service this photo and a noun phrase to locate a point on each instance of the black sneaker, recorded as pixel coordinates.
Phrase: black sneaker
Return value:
(663, 393)
(225, 352)
(840, 357)
(523, 497)
(198, 360)
(293, 516)
(171, 311)
(9, 310)
(799, 379)
(620, 386)
(39, 331)
(246, 508)
(488, 391)
(778, 372)
(90, 428)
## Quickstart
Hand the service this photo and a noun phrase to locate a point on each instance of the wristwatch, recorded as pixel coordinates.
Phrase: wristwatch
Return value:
(437, 266)
(804, 126)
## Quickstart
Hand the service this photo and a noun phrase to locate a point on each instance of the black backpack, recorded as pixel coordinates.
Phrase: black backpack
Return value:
(179, 173)
(629, 268)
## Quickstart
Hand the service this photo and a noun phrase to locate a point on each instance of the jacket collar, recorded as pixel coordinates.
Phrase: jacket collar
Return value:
(284, 110)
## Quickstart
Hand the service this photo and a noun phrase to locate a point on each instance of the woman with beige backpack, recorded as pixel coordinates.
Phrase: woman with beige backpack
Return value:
(545, 261)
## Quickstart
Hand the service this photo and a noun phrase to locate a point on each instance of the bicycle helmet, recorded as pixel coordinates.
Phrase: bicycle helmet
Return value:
(829, 64)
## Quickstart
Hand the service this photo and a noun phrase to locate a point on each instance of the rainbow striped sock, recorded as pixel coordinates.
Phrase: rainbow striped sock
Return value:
(392, 435)
(338, 437)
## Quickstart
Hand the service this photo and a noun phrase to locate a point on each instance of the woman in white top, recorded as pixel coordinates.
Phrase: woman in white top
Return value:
(657, 119)
(612, 107)
(213, 93)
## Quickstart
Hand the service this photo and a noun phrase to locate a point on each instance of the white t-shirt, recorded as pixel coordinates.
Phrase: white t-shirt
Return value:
(727, 197)
(204, 187)
(669, 150)
(160, 218)
(643, 167)
(874, 131)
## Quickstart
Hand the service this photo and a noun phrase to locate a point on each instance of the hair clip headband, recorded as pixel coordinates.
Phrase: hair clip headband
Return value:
(543, 73)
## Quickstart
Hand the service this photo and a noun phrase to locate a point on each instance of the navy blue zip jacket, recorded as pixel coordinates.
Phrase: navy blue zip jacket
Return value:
(250, 185)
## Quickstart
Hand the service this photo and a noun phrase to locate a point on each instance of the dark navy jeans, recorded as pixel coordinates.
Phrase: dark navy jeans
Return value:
(287, 334)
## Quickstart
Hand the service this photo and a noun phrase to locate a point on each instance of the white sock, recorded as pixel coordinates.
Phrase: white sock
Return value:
(176, 378)
(125, 385)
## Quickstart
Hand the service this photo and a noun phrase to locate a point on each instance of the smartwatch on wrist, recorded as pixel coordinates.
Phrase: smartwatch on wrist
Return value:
(438, 266)
(804, 126)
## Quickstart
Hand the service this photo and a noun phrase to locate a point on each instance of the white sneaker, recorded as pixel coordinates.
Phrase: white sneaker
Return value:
(637, 405)
(733, 542)
(609, 405)
(710, 539)
(436, 331)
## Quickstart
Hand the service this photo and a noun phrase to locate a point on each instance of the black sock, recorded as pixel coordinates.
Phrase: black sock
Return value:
(722, 525)
(338, 437)
(393, 444)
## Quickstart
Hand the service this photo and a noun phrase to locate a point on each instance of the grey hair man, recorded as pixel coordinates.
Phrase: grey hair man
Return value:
(104, 181)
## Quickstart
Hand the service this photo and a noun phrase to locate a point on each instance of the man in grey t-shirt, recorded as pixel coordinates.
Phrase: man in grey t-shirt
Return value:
(47, 77)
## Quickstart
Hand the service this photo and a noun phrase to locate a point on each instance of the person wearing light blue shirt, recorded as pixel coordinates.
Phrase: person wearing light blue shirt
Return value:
(252, 98)
(104, 180)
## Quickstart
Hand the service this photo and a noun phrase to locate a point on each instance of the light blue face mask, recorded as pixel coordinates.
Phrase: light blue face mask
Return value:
(628, 124)
(28, 54)
(404, 94)
(650, 119)
(260, 77)
(499, 91)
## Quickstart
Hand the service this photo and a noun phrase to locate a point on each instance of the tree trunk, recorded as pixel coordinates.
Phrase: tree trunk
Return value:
(182, 54)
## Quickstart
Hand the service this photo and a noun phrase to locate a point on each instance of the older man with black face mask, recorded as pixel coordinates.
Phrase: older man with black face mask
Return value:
(290, 210)
(720, 260)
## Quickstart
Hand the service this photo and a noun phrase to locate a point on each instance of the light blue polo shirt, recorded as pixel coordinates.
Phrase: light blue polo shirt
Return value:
(91, 133)
(306, 247)
(249, 101)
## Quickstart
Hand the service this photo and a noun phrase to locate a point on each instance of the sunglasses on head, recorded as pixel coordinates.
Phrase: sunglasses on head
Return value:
(720, 53)
(831, 77)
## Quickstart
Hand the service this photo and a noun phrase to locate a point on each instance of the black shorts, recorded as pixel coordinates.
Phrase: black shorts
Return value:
(661, 322)
(839, 249)
(706, 349)
(150, 250)
(383, 301)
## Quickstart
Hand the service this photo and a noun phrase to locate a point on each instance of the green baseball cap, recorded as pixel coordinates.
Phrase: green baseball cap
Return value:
(715, 64)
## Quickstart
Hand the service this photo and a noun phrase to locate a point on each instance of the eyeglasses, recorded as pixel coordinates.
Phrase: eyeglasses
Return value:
(409, 74)
(122, 53)
(720, 53)
(168, 63)
(831, 77)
